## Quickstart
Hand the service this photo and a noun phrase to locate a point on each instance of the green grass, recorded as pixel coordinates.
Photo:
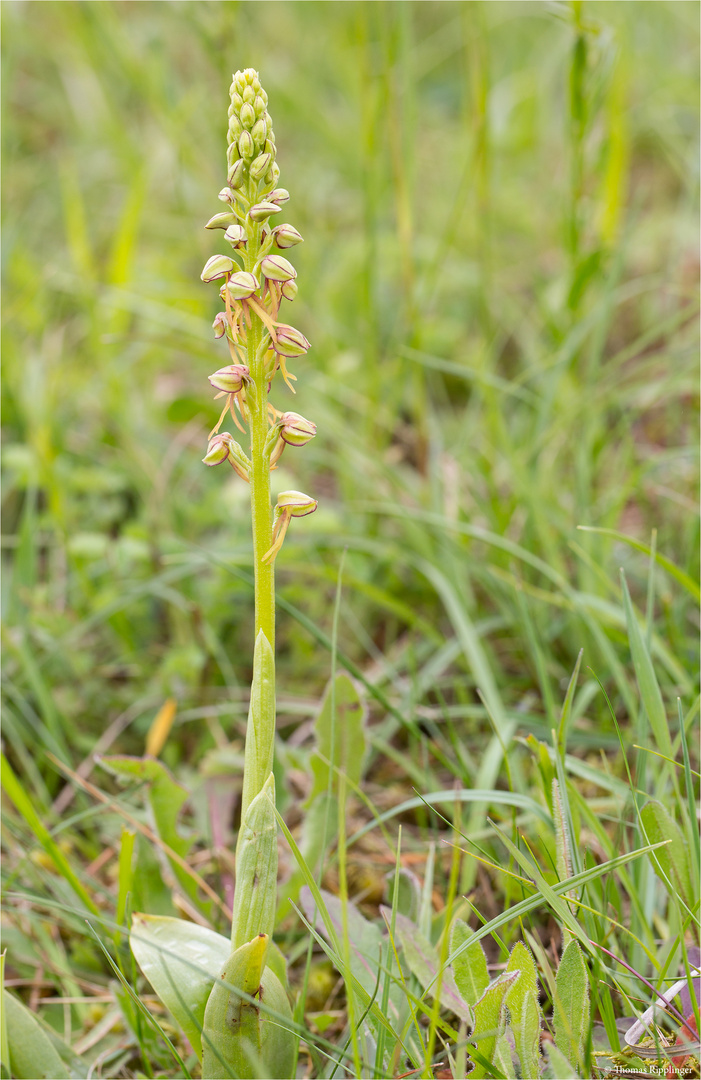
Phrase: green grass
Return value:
(499, 280)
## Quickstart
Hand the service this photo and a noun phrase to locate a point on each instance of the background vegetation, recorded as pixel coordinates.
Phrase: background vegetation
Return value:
(499, 280)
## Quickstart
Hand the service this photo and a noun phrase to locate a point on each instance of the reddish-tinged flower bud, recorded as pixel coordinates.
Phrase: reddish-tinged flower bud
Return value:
(259, 133)
(295, 430)
(219, 325)
(260, 166)
(225, 196)
(221, 221)
(247, 115)
(230, 379)
(246, 145)
(295, 503)
(241, 285)
(235, 234)
(216, 267)
(289, 290)
(219, 449)
(286, 236)
(262, 211)
(280, 195)
(290, 342)
(275, 268)
(235, 175)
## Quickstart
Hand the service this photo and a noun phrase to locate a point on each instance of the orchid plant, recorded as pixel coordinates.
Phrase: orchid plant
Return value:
(230, 996)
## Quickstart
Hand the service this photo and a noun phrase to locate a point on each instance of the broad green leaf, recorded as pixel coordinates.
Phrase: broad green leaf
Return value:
(571, 1006)
(646, 678)
(181, 960)
(490, 1018)
(558, 1067)
(340, 736)
(36, 1053)
(524, 1010)
(424, 962)
(470, 967)
(674, 857)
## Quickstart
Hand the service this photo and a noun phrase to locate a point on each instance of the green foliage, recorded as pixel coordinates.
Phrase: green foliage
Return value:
(36, 1052)
(525, 1015)
(490, 1020)
(424, 962)
(340, 737)
(181, 960)
(673, 860)
(571, 1012)
(166, 797)
(470, 967)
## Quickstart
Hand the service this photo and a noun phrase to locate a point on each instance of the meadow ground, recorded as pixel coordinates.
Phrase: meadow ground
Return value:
(500, 283)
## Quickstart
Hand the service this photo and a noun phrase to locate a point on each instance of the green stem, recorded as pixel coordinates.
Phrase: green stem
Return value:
(261, 511)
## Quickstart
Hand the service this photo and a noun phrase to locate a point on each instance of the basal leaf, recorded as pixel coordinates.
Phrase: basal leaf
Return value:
(34, 1053)
(181, 960)
(490, 1019)
(571, 1006)
(424, 962)
(673, 859)
(470, 968)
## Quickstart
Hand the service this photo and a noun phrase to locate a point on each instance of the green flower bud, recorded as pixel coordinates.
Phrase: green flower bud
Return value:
(232, 154)
(225, 196)
(262, 211)
(259, 134)
(230, 379)
(275, 268)
(280, 195)
(219, 325)
(289, 290)
(260, 166)
(216, 267)
(290, 341)
(259, 105)
(235, 175)
(235, 234)
(247, 116)
(235, 127)
(295, 503)
(284, 236)
(248, 95)
(221, 221)
(270, 147)
(246, 145)
(237, 102)
(241, 285)
(294, 429)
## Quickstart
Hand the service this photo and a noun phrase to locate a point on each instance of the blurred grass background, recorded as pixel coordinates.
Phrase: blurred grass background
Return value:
(499, 280)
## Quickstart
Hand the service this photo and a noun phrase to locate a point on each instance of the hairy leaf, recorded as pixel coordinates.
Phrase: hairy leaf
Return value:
(470, 968)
